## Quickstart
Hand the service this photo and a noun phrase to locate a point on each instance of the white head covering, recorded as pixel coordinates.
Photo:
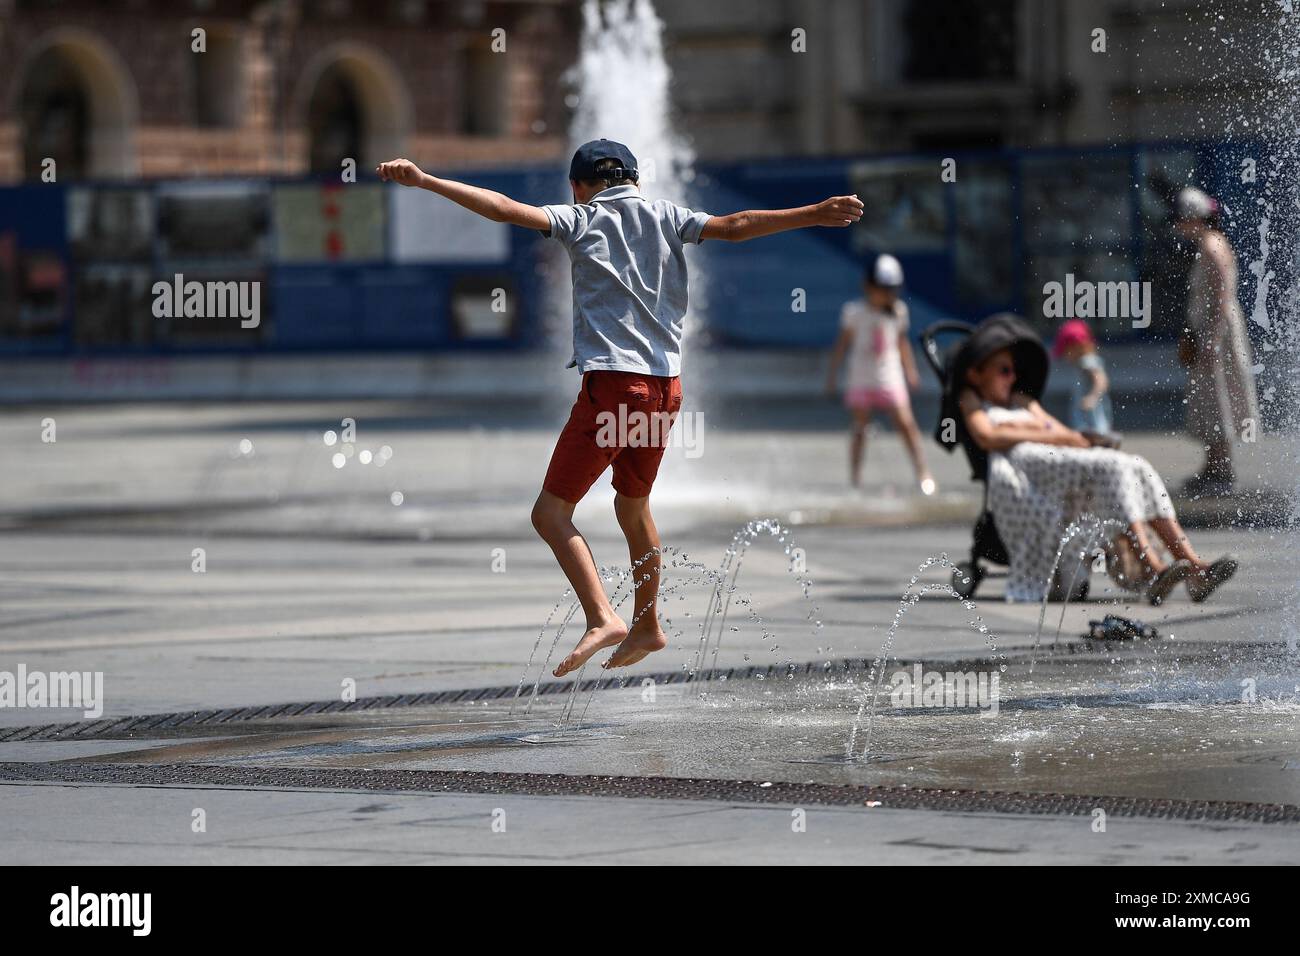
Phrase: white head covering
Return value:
(887, 271)
(1194, 204)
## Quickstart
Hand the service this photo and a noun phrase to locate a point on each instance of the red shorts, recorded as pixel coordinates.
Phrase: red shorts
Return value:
(620, 418)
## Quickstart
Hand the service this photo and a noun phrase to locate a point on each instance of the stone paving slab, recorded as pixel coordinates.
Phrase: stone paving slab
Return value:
(91, 824)
(314, 579)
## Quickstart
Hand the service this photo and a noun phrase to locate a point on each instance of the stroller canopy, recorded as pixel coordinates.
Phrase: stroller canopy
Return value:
(997, 332)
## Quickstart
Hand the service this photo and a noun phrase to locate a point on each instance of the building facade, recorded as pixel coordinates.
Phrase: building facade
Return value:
(151, 88)
(286, 87)
(1073, 123)
(843, 77)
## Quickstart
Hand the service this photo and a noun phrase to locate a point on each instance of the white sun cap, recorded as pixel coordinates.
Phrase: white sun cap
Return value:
(887, 272)
(1195, 204)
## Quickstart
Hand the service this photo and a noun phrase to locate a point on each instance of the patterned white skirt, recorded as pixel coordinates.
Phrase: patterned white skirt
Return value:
(1036, 490)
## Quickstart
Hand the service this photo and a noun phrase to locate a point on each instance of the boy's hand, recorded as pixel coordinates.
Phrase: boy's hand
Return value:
(400, 171)
(838, 211)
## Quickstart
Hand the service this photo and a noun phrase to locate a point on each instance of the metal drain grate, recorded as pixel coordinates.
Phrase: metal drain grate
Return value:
(114, 728)
(136, 726)
(664, 788)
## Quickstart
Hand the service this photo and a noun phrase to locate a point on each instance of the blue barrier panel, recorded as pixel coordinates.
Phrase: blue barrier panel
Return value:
(316, 307)
(380, 267)
(35, 285)
(404, 306)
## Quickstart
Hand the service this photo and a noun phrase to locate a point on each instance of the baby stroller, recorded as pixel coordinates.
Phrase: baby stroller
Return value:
(995, 333)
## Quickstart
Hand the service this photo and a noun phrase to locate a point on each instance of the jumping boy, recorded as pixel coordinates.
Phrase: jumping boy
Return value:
(629, 300)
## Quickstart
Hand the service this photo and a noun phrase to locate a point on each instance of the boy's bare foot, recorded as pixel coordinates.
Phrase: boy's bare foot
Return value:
(605, 635)
(640, 642)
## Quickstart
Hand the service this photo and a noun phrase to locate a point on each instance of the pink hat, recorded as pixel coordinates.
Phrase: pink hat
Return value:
(1073, 332)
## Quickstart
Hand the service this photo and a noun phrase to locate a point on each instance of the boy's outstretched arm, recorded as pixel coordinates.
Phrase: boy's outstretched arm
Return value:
(485, 202)
(753, 223)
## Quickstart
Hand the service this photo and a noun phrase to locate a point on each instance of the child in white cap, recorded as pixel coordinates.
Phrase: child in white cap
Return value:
(881, 369)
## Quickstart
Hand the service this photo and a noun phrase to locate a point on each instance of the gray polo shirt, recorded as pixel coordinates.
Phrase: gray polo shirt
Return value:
(629, 279)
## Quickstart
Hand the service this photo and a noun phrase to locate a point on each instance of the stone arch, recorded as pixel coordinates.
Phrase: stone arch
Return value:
(352, 100)
(76, 95)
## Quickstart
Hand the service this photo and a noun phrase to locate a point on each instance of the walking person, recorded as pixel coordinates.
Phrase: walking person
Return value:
(881, 368)
(1215, 347)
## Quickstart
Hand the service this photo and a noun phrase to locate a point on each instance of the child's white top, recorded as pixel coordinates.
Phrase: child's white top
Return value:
(629, 279)
(874, 359)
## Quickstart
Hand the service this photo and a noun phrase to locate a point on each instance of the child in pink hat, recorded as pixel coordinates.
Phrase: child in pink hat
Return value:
(1090, 409)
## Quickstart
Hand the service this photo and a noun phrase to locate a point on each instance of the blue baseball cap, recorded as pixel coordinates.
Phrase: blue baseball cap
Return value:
(583, 167)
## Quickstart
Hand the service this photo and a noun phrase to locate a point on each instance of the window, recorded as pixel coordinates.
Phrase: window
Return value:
(56, 115)
(483, 102)
(218, 82)
(955, 40)
(336, 120)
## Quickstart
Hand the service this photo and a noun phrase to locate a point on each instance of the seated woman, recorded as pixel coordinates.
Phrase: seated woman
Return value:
(1041, 473)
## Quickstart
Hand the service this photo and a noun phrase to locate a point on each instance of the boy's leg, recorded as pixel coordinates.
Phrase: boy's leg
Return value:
(553, 519)
(580, 455)
(635, 470)
(645, 636)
